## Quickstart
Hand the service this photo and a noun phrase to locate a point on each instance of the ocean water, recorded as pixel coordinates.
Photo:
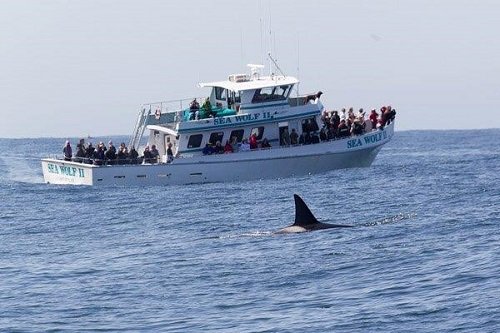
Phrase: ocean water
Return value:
(424, 254)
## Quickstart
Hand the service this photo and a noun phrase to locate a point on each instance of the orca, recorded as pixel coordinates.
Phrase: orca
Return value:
(305, 220)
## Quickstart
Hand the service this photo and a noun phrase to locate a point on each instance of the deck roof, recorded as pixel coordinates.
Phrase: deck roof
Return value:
(261, 82)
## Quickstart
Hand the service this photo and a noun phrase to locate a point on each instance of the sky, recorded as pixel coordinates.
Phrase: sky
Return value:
(78, 68)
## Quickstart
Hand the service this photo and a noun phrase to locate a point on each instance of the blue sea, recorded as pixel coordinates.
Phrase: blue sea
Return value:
(424, 255)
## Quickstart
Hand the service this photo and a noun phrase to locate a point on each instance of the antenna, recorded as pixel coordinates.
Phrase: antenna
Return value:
(275, 64)
(261, 33)
(298, 64)
(270, 40)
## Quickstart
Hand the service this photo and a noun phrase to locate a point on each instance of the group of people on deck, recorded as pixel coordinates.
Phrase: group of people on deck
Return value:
(102, 155)
(349, 123)
(194, 109)
(233, 146)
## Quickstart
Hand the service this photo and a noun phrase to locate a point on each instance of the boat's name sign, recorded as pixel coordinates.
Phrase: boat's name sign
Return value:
(242, 118)
(66, 170)
(374, 138)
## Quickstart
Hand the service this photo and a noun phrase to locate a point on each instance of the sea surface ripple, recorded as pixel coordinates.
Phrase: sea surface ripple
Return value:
(424, 255)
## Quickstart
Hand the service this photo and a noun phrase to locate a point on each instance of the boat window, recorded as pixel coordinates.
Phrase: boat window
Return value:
(195, 140)
(220, 93)
(235, 97)
(216, 136)
(238, 134)
(259, 132)
(283, 90)
(269, 94)
(309, 125)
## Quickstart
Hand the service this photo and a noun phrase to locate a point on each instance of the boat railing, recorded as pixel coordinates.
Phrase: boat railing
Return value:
(170, 111)
(163, 112)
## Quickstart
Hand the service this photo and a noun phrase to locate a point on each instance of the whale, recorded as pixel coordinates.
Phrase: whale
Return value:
(305, 220)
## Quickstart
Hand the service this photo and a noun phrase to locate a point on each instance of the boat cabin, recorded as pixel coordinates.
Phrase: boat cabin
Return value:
(240, 106)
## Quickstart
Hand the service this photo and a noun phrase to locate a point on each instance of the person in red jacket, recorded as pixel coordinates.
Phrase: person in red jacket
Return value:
(253, 141)
(374, 118)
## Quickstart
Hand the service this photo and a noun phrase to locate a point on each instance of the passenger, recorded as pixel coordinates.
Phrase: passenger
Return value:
(80, 153)
(208, 150)
(99, 154)
(367, 124)
(194, 109)
(146, 155)
(111, 153)
(154, 154)
(265, 144)
(245, 146)
(315, 138)
(294, 137)
(89, 153)
(208, 108)
(307, 138)
(343, 115)
(317, 101)
(383, 117)
(302, 139)
(361, 113)
(170, 153)
(253, 141)
(228, 148)
(323, 134)
(335, 120)
(391, 114)
(285, 137)
(122, 155)
(133, 156)
(68, 152)
(343, 130)
(234, 144)
(82, 143)
(218, 149)
(357, 127)
(350, 115)
(374, 118)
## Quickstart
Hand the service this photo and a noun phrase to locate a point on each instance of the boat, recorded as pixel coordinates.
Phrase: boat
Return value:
(243, 106)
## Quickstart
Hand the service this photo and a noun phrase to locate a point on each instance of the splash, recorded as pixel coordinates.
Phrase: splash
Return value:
(21, 170)
(392, 219)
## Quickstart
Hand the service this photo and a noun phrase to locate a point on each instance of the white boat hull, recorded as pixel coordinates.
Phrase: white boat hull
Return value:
(357, 151)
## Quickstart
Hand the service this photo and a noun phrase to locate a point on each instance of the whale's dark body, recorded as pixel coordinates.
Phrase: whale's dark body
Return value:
(305, 220)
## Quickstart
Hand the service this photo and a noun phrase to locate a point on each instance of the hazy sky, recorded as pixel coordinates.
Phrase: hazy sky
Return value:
(75, 68)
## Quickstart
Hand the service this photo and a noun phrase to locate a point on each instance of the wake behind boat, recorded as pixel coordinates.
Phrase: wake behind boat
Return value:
(267, 134)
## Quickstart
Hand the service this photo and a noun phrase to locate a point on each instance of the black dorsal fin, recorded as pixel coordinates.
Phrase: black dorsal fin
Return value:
(303, 215)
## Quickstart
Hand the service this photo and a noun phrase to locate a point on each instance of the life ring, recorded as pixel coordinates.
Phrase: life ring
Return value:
(157, 114)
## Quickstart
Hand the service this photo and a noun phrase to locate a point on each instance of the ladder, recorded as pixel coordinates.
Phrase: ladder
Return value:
(140, 126)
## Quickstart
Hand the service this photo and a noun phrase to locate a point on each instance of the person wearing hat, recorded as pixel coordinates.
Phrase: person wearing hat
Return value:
(111, 153)
(68, 152)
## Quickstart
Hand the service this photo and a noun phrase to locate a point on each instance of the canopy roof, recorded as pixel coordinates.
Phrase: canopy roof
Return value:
(252, 84)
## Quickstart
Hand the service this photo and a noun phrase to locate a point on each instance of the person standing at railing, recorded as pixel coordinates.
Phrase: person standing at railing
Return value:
(68, 152)
(194, 109)
(207, 107)
(80, 152)
(170, 153)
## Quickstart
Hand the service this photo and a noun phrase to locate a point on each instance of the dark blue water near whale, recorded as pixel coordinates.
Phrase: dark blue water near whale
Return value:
(424, 255)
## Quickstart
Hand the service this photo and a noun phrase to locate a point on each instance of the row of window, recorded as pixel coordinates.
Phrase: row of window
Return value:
(271, 94)
(196, 139)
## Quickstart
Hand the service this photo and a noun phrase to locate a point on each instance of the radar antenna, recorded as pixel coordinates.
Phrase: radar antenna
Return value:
(255, 69)
(275, 64)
